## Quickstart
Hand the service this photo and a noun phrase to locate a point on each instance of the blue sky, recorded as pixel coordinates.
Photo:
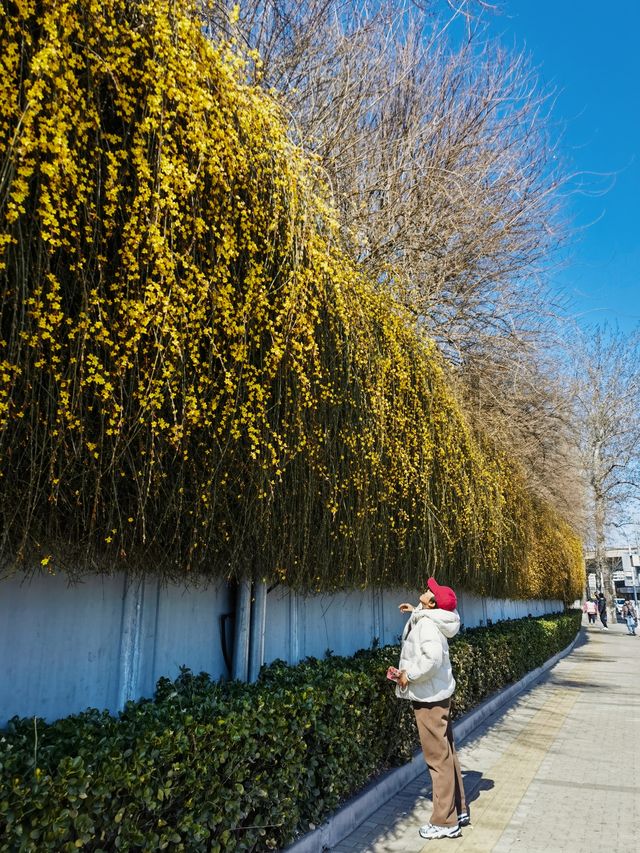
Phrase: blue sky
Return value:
(590, 53)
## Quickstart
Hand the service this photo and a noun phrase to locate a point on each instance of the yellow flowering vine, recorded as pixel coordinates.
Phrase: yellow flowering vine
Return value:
(194, 377)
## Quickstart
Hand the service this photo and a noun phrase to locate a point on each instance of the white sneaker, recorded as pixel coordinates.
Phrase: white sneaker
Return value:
(464, 819)
(430, 831)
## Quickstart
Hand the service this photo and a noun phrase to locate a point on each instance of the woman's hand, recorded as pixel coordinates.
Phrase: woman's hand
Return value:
(406, 608)
(403, 678)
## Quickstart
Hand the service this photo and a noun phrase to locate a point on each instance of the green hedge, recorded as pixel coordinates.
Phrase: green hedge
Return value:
(229, 766)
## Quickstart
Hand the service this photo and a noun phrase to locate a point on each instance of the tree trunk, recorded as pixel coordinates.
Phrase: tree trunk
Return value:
(603, 566)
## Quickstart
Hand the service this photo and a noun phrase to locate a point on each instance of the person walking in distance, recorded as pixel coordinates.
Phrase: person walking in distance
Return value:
(602, 610)
(630, 617)
(591, 610)
(426, 680)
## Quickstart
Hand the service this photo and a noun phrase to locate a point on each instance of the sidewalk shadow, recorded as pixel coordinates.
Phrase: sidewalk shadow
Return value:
(474, 784)
(411, 808)
(502, 711)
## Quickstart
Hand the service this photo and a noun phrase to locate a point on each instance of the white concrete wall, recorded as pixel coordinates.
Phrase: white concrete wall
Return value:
(346, 622)
(64, 647)
(58, 645)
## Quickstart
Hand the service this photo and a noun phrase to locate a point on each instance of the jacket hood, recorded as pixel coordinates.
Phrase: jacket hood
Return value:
(447, 621)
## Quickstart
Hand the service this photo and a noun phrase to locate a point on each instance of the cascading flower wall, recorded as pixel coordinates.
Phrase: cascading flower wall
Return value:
(194, 378)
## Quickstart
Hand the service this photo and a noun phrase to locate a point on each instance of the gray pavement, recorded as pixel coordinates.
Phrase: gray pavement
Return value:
(554, 770)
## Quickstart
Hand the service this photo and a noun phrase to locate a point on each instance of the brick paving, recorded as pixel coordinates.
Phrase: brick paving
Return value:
(555, 771)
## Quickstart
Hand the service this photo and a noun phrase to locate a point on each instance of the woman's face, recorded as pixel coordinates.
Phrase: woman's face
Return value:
(427, 599)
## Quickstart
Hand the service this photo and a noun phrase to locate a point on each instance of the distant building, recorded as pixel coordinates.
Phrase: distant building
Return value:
(625, 567)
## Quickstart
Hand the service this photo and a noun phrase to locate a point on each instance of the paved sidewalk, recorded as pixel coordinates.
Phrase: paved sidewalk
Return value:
(556, 770)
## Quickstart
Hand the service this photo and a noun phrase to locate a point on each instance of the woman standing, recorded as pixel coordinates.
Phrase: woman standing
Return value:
(426, 679)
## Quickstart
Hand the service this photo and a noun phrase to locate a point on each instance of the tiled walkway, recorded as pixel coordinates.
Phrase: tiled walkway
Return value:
(557, 770)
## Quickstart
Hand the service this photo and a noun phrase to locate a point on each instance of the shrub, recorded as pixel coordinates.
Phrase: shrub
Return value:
(486, 659)
(230, 766)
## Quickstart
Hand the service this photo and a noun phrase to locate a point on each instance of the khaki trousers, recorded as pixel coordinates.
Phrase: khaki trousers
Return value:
(436, 739)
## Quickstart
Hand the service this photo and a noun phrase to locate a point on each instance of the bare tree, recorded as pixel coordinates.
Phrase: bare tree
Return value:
(607, 393)
(436, 144)
(525, 404)
(437, 150)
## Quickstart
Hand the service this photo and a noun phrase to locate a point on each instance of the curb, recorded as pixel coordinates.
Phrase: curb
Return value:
(356, 810)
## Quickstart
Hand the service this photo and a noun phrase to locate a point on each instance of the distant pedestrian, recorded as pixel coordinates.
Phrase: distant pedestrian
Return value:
(591, 610)
(426, 679)
(602, 610)
(630, 616)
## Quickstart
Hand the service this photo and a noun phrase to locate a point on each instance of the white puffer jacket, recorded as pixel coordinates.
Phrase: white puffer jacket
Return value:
(425, 654)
